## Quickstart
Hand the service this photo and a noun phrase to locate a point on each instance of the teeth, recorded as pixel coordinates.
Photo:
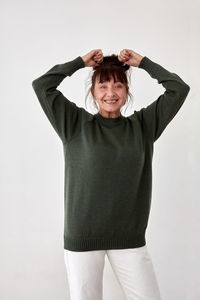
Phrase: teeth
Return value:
(111, 101)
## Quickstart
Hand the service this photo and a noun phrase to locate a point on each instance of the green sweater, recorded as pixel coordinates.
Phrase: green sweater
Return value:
(108, 161)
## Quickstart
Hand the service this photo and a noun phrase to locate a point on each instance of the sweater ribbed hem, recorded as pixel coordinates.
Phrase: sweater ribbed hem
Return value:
(89, 244)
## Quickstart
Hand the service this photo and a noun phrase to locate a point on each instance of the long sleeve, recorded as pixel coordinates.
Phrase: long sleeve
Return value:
(65, 116)
(157, 115)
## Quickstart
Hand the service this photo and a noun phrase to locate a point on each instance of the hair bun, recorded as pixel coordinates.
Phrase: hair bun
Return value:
(112, 60)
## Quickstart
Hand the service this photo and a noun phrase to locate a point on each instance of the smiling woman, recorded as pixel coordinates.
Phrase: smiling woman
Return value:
(111, 96)
(108, 171)
(110, 87)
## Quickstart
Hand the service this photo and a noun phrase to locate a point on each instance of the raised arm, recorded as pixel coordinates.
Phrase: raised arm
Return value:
(65, 116)
(157, 115)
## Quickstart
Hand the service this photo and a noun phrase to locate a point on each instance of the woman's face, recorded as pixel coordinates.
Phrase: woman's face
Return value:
(111, 96)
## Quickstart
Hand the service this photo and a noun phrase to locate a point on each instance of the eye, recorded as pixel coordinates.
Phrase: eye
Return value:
(118, 86)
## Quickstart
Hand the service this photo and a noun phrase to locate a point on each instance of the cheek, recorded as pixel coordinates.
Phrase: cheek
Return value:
(98, 92)
(122, 93)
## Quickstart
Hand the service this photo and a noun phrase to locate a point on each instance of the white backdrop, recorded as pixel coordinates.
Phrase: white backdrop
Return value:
(35, 36)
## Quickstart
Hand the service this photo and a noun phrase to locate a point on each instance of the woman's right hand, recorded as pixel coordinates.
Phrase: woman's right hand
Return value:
(93, 58)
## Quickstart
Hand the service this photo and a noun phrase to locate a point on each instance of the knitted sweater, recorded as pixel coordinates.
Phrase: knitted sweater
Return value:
(108, 161)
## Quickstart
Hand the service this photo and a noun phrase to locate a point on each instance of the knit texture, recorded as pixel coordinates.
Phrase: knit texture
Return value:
(108, 161)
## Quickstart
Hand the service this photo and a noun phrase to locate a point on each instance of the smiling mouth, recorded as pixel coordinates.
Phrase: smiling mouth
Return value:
(110, 101)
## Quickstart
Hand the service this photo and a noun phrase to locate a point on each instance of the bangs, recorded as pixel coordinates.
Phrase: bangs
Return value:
(109, 74)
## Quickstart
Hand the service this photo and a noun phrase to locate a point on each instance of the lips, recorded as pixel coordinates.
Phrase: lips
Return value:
(111, 101)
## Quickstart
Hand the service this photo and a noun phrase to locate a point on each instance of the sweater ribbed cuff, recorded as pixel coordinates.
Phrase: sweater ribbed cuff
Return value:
(146, 63)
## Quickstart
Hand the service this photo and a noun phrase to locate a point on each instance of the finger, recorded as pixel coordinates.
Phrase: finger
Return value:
(121, 56)
(125, 57)
(99, 61)
(126, 53)
(122, 59)
(99, 52)
(98, 56)
(96, 52)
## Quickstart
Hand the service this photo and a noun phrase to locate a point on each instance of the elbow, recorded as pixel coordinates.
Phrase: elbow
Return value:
(185, 91)
(35, 84)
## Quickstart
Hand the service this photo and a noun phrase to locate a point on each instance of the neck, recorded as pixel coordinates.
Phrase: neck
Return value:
(106, 114)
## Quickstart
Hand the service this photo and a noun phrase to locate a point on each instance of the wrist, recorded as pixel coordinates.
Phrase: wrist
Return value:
(139, 60)
(83, 60)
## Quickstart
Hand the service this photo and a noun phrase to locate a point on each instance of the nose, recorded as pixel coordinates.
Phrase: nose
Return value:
(110, 92)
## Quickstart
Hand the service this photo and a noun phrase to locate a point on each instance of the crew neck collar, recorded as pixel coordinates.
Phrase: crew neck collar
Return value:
(109, 121)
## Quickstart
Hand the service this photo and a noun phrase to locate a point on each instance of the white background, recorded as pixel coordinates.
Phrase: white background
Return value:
(35, 36)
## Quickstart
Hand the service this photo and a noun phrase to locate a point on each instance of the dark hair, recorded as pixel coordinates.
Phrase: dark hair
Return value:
(109, 68)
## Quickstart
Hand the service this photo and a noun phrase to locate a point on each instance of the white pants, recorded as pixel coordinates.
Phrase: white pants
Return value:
(132, 267)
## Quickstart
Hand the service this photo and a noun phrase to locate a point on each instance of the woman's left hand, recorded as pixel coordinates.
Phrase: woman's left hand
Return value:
(130, 57)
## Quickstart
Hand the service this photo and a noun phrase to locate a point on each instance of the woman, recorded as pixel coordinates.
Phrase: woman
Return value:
(108, 170)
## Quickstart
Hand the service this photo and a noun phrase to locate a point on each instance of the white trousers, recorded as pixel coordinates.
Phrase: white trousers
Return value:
(132, 267)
